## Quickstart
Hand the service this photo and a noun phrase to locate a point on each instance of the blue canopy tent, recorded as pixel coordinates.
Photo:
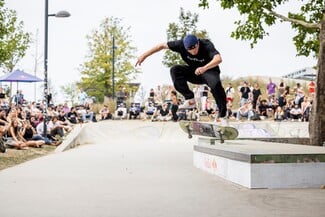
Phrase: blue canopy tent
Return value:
(19, 76)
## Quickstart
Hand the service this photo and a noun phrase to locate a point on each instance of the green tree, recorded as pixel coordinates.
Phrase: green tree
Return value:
(97, 71)
(187, 25)
(13, 40)
(309, 25)
(69, 91)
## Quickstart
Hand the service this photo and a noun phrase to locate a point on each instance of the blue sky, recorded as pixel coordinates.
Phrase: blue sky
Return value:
(274, 56)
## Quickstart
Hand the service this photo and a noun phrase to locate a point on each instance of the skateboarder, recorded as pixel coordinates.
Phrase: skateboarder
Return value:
(202, 67)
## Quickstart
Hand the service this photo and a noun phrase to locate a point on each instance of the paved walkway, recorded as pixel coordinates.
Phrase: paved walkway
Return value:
(138, 169)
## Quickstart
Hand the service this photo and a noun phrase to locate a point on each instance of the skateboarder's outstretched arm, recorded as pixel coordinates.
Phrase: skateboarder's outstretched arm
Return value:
(153, 50)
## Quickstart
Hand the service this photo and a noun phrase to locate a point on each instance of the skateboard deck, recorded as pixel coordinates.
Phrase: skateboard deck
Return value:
(207, 129)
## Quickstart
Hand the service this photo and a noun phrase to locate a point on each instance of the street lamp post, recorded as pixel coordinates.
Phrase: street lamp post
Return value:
(60, 14)
(113, 68)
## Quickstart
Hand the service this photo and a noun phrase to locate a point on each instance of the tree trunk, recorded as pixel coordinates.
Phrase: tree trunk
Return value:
(317, 119)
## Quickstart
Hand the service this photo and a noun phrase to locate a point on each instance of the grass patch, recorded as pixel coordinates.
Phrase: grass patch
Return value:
(14, 157)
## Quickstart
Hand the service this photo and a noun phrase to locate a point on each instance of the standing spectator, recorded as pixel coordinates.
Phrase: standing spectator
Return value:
(311, 88)
(174, 105)
(271, 88)
(257, 94)
(3, 100)
(204, 96)
(19, 97)
(244, 94)
(281, 88)
(82, 97)
(282, 100)
(159, 95)
(120, 95)
(152, 95)
(299, 95)
(197, 95)
(230, 93)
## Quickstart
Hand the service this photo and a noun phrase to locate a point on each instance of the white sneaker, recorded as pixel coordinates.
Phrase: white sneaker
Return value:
(188, 104)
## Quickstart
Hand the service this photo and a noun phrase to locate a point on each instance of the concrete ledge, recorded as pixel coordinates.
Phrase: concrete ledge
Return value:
(256, 164)
(72, 140)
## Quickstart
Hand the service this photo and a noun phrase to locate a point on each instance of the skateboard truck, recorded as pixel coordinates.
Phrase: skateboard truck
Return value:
(220, 133)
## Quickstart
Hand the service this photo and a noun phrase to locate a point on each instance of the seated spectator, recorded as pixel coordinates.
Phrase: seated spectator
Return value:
(163, 114)
(3, 118)
(121, 111)
(50, 112)
(229, 113)
(64, 121)
(66, 108)
(278, 114)
(89, 112)
(55, 127)
(245, 111)
(29, 133)
(72, 116)
(174, 105)
(85, 114)
(263, 109)
(296, 113)
(150, 110)
(34, 109)
(105, 114)
(17, 140)
(305, 108)
(134, 111)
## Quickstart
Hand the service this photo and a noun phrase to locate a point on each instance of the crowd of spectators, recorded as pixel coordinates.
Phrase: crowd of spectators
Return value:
(22, 123)
(278, 102)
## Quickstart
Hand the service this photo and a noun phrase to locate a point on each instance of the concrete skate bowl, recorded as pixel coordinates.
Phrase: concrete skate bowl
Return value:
(109, 132)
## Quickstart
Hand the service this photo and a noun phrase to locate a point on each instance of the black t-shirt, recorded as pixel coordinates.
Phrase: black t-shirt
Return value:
(72, 117)
(245, 91)
(2, 96)
(28, 133)
(61, 118)
(256, 94)
(206, 53)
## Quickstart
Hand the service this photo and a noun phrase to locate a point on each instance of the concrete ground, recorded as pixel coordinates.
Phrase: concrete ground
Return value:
(136, 168)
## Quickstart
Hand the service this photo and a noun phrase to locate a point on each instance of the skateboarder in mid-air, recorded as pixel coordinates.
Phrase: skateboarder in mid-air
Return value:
(202, 67)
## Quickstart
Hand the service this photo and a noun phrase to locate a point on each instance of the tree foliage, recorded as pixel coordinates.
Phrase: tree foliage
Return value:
(13, 40)
(309, 23)
(97, 70)
(187, 25)
(257, 16)
(70, 93)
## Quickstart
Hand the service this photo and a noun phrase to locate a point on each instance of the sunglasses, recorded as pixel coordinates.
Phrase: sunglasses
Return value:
(192, 47)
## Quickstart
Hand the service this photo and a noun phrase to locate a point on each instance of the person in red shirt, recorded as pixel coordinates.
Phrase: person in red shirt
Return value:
(311, 88)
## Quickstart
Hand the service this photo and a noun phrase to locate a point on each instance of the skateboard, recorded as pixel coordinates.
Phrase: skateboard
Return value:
(207, 129)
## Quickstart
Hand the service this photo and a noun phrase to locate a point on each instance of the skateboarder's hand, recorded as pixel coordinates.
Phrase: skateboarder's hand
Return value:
(200, 70)
(140, 60)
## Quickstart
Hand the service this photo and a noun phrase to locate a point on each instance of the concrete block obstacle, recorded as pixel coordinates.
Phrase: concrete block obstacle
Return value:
(256, 164)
